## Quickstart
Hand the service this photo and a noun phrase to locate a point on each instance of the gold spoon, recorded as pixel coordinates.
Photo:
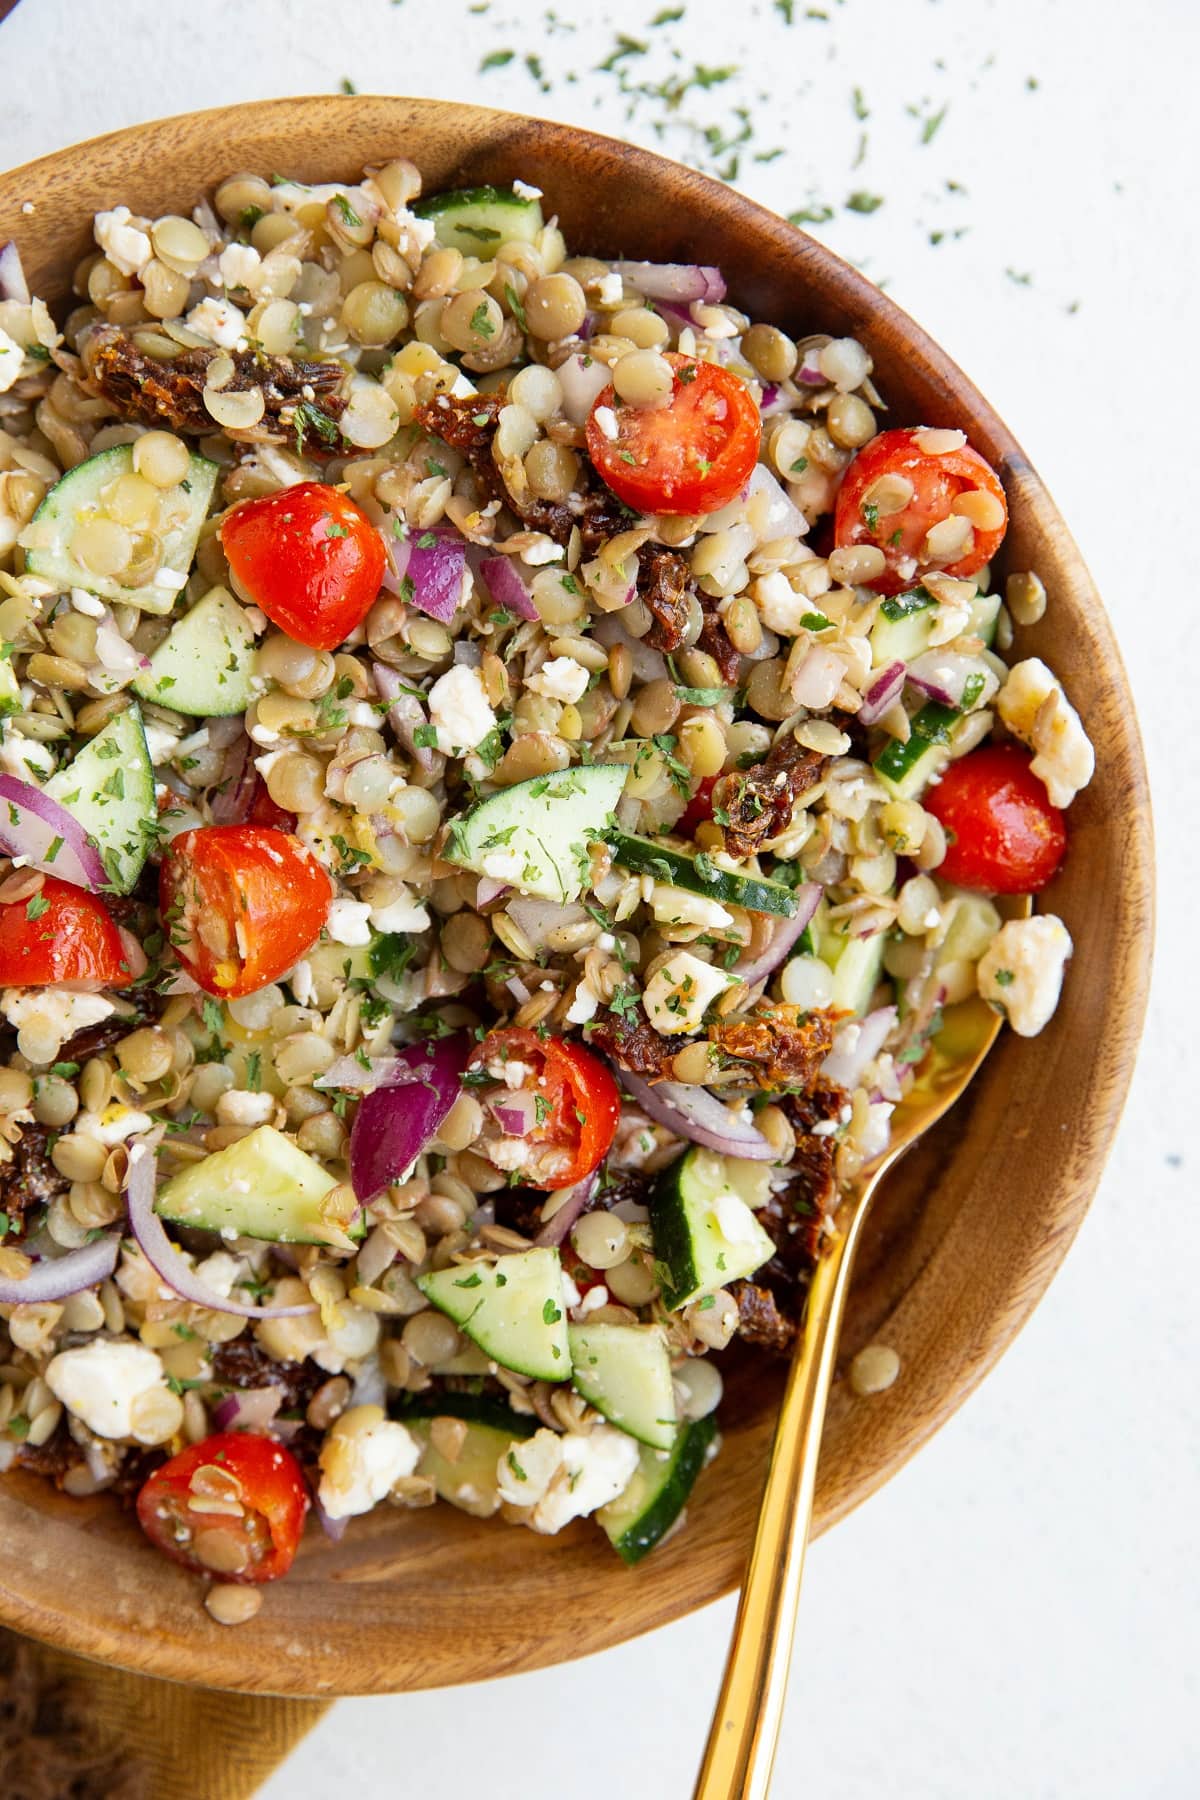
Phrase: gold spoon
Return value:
(745, 1728)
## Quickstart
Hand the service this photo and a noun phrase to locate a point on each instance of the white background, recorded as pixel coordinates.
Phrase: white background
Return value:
(1015, 1616)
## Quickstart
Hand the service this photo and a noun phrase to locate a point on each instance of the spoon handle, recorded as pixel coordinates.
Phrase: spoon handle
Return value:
(745, 1728)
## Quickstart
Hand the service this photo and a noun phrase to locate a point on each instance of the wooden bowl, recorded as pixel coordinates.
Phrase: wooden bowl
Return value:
(973, 1223)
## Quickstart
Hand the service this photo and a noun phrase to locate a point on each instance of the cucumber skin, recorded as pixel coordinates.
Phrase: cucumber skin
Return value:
(475, 220)
(510, 813)
(684, 1465)
(122, 879)
(180, 695)
(672, 1239)
(757, 893)
(473, 1409)
(657, 1434)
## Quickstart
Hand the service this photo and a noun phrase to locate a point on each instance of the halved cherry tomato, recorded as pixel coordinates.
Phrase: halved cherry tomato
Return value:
(577, 1102)
(263, 810)
(257, 1543)
(61, 933)
(1003, 834)
(694, 454)
(309, 557)
(241, 904)
(699, 808)
(937, 479)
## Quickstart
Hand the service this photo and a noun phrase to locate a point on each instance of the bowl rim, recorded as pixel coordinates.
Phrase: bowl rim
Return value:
(845, 291)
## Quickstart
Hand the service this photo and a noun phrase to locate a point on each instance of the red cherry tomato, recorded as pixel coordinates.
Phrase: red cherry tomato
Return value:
(309, 557)
(256, 1544)
(937, 481)
(694, 454)
(61, 933)
(241, 903)
(1003, 833)
(579, 1104)
(699, 808)
(263, 810)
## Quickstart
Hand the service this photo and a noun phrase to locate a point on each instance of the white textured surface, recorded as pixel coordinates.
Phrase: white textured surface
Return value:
(1017, 1613)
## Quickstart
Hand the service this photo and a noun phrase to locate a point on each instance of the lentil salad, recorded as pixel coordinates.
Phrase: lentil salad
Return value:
(505, 765)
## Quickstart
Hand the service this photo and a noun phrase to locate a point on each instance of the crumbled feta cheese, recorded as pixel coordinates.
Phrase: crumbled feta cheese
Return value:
(401, 914)
(524, 191)
(88, 604)
(239, 265)
(459, 710)
(606, 419)
(219, 1272)
(592, 1301)
(675, 906)
(571, 1294)
(349, 1336)
(780, 606)
(161, 741)
(239, 1107)
(349, 921)
(46, 1017)
(508, 1153)
(115, 1125)
(609, 288)
(679, 993)
(220, 321)
(302, 984)
(562, 678)
(359, 1469)
(1035, 709)
(734, 1219)
(12, 358)
(100, 1383)
(565, 1478)
(502, 865)
(26, 758)
(541, 549)
(126, 246)
(1021, 971)
(513, 1073)
(583, 1007)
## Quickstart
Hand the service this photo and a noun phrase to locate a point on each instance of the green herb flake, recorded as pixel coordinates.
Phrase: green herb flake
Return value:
(496, 59)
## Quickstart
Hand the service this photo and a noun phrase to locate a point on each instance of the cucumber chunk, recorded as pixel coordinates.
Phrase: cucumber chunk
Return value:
(907, 769)
(109, 788)
(857, 964)
(985, 615)
(701, 875)
(705, 1235)
(467, 1481)
(513, 1308)
(264, 1186)
(205, 666)
(624, 1371)
(478, 220)
(84, 494)
(10, 687)
(903, 626)
(657, 1492)
(535, 834)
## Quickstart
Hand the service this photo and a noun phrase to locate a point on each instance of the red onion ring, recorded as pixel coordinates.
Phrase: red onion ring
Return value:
(55, 1277)
(405, 713)
(857, 1042)
(695, 1114)
(783, 935)
(555, 1230)
(355, 1077)
(436, 564)
(505, 585)
(248, 1409)
(165, 1259)
(42, 825)
(674, 281)
(885, 689)
(239, 780)
(395, 1124)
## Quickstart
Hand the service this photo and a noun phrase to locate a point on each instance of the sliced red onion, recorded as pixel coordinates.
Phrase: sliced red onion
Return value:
(248, 1409)
(695, 1114)
(944, 674)
(784, 518)
(489, 890)
(54, 1277)
(784, 933)
(436, 564)
(770, 395)
(674, 281)
(239, 781)
(856, 1044)
(885, 689)
(405, 712)
(13, 285)
(395, 1124)
(517, 989)
(396, 554)
(537, 918)
(46, 835)
(810, 375)
(354, 1076)
(334, 1529)
(579, 1197)
(648, 664)
(582, 380)
(516, 1113)
(818, 678)
(506, 586)
(167, 1261)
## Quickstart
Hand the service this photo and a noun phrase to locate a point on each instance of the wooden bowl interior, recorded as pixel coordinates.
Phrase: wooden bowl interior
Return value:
(973, 1223)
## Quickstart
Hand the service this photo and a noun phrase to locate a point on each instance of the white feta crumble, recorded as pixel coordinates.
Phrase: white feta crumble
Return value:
(678, 994)
(583, 1007)
(27, 759)
(459, 710)
(349, 921)
(502, 865)
(524, 190)
(565, 1478)
(401, 914)
(513, 1073)
(219, 1272)
(101, 1382)
(1036, 710)
(45, 1018)
(88, 604)
(126, 246)
(115, 1125)
(360, 1468)
(220, 321)
(781, 607)
(239, 265)
(592, 1301)
(508, 1153)
(349, 1336)
(237, 1106)
(675, 906)
(562, 678)
(610, 288)
(302, 984)
(735, 1221)
(12, 358)
(606, 419)
(1021, 971)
